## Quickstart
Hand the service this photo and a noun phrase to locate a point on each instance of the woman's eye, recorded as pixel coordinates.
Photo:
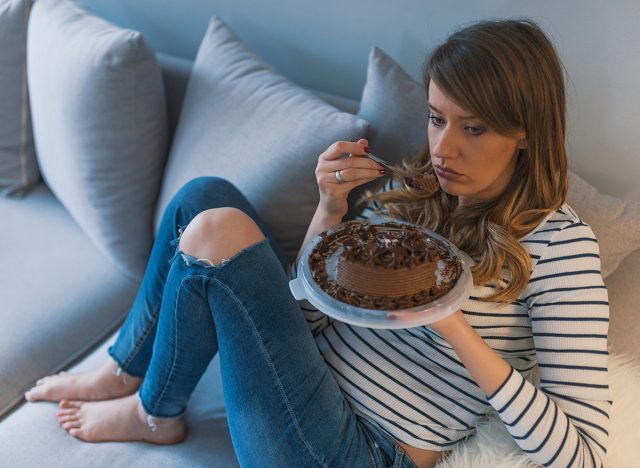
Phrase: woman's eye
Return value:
(435, 120)
(474, 130)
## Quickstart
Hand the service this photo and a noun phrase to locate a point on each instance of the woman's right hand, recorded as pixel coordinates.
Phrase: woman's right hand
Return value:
(357, 169)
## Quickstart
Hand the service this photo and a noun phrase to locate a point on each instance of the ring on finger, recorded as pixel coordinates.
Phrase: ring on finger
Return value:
(339, 177)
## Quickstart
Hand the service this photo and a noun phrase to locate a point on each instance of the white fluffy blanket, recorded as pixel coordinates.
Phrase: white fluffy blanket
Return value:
(492, 446)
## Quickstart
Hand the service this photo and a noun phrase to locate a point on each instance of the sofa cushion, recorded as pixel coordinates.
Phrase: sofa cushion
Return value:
(395, 105)
(100, 125)
(18, 166)
(615, 222)
(243, 121)
(208, 442)
(59, 296)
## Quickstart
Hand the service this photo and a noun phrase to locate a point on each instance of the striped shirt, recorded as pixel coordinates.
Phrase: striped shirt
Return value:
(412, 384)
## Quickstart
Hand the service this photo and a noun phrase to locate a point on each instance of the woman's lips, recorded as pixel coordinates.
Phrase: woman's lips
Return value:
(447, 173)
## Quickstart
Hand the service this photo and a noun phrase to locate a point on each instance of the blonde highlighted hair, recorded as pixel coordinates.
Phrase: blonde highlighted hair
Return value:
(508, 74)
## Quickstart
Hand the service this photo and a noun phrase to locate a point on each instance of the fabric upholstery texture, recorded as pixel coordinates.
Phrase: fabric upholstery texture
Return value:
(243, 121)
(59, 295)
(18, 166)
(615, 222)
(100, 125)
(208, 442)
(395, 106)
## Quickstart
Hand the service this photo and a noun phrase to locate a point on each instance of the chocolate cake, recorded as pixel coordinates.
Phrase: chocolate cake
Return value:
(386, 266)
(422, 182)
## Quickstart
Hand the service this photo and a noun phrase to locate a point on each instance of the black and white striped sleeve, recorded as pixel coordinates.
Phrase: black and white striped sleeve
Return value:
(564, 422)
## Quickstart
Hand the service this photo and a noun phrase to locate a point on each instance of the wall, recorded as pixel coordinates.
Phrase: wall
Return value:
(324, 45)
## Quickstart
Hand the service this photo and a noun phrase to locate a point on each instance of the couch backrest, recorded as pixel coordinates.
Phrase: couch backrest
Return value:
(325, 46)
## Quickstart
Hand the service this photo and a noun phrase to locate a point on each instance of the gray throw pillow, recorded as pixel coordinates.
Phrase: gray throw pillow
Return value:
(18, 166)
(615, 222)
(395, 105)
(243, 121)
(100, 125)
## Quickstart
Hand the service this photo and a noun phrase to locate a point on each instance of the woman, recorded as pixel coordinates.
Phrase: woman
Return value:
(320, 392)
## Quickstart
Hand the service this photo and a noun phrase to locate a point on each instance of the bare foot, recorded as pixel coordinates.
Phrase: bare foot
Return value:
(101, 384)
(122, 420)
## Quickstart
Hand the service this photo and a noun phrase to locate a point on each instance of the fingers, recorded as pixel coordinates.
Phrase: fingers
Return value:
(350, 175)
(341, 148)
(333, 160)
(351, 163)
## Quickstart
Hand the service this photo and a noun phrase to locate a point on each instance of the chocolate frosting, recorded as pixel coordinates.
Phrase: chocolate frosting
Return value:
(389, 245)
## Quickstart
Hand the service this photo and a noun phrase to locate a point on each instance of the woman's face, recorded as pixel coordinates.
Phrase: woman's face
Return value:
(482, 160)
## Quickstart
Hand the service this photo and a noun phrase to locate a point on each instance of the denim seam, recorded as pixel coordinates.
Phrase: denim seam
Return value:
(373, 460)
(397, 463)
(142, 338)
(169, 379)
(154, 316)
(273, 369)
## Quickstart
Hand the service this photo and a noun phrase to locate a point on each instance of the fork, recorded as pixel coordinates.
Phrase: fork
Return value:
(385, 164)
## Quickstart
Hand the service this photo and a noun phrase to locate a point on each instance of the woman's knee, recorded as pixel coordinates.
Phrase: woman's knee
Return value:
(219, 233)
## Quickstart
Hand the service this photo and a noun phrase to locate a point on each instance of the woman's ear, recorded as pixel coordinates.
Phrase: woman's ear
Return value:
(522, 144)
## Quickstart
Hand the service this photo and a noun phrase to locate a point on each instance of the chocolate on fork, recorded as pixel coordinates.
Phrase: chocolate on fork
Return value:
(420, 183)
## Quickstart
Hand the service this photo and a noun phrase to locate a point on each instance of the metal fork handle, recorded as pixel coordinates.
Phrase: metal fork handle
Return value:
(385, 164)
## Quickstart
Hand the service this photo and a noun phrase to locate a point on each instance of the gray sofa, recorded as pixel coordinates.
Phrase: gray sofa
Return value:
(62, 301)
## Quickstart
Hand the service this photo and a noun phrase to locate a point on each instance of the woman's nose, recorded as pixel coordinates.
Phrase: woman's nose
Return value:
(444, 144)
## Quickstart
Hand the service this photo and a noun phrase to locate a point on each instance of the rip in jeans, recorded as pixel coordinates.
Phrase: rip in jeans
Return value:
(205, 262)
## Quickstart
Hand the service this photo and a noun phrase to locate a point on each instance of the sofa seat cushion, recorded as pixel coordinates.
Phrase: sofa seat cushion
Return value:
(208, 443)
(60, 295)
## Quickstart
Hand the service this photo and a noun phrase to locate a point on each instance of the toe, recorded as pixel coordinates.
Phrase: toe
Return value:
(35, 394)
(71, 425)
(67, 418)
(65, 412)
(70, 404)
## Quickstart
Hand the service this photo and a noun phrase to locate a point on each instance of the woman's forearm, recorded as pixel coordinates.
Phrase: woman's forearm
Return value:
(486, 367)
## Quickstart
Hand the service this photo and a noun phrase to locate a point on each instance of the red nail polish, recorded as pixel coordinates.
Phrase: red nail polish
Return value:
(367, 149)
(382, 171)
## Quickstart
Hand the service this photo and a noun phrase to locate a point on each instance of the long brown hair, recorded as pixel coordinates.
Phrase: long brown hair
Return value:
(507, 73)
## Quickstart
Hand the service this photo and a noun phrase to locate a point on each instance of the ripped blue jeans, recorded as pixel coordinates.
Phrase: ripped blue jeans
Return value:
(284, 407)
